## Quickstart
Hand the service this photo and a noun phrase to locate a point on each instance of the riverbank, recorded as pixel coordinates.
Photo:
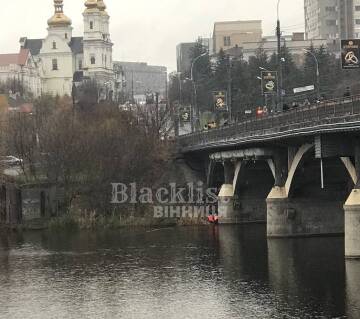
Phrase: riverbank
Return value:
(91, 220)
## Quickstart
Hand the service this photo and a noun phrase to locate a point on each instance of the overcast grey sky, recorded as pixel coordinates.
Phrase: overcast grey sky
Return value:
(147, 30)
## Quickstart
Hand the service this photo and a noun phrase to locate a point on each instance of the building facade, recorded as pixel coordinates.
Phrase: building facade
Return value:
(295, 43)
(332, 19)
(60, 58)
(184, 53)
(141, 78)
(184, 56)
(230, 34)
(20, 72)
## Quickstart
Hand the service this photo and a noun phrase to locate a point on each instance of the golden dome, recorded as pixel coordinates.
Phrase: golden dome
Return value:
(59, 19)
(102, 7)
(91, 6)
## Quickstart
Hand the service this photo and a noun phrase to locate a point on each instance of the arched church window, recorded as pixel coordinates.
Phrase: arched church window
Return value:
(66, 36)
(91, 25)
(92, 60)
(54, 64)
(54, 45)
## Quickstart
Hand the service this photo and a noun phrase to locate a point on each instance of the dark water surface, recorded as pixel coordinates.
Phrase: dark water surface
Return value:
(226, 272)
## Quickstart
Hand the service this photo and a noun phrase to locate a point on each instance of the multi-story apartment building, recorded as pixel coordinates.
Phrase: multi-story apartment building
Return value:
(141, 78)
(332, 19)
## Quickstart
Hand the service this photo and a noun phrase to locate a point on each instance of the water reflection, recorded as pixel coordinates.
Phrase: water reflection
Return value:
(353, 288)
(308, 274)
(206, 272)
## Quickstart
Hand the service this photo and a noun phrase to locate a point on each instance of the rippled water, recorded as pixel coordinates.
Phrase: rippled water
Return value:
(225, 272)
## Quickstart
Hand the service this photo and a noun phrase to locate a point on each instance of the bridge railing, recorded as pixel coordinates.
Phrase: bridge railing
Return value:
(335, 110)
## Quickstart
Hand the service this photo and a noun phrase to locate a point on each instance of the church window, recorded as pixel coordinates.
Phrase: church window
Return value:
(91, 25)
(54, 64)
(105, 60)
(80, 65)
(92, 60)
(54, 45)
(66, 36)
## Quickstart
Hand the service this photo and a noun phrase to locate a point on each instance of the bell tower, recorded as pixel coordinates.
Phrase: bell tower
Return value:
(98, 64)
(59, 23)
(97, 43)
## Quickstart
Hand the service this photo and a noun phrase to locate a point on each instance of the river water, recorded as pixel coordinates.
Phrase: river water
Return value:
(206, 272)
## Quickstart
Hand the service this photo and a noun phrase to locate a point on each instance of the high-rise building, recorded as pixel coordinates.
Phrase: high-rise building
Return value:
(332, 19)
(184, 54)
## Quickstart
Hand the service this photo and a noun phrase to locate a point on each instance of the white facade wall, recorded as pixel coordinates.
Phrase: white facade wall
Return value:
(57, 82)
(97, 44)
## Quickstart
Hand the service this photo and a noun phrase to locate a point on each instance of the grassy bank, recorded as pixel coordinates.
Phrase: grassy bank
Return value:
(91, 220)
(73, 221)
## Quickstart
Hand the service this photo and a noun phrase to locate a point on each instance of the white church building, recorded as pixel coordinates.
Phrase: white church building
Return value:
(53, 64)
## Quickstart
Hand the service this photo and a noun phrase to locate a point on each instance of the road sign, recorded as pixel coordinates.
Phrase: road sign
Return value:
(220, 101)
(304, 89)
(350, 54)
(185, 114)
(269, 82)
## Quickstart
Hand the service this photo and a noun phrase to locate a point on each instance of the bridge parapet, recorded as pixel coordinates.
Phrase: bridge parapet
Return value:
(329, 116)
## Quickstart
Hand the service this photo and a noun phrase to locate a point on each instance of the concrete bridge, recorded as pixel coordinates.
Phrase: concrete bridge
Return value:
(298, 171)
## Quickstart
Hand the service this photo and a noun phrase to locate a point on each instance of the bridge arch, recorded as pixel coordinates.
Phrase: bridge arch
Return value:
(350, 167)
(252, 186)
(295, 164)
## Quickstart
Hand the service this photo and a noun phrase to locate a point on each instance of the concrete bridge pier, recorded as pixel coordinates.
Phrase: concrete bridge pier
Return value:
(352, 214)
(226, 210)
(279, 218)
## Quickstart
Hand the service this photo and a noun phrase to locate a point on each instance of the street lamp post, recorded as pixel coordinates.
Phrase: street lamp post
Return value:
(180, 87)
(317, 71)
(229, 99)
(195, 91)
(278, 33)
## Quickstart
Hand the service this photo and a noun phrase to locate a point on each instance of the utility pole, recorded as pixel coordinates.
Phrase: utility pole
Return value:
(195, 109)
(132, 87)
(229, 90)
(157, 117)
(317, 71)
(278, 33)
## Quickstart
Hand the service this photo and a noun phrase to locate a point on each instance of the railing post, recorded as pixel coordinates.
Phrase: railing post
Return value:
(317, 112)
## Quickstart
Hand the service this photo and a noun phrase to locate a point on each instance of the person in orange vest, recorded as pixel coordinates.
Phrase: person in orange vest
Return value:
(211, 218)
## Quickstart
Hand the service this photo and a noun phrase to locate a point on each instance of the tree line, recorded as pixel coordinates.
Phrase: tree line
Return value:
(241, 77)
(85, 146)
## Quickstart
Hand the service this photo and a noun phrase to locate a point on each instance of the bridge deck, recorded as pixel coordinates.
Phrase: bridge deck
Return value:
(339, 115)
